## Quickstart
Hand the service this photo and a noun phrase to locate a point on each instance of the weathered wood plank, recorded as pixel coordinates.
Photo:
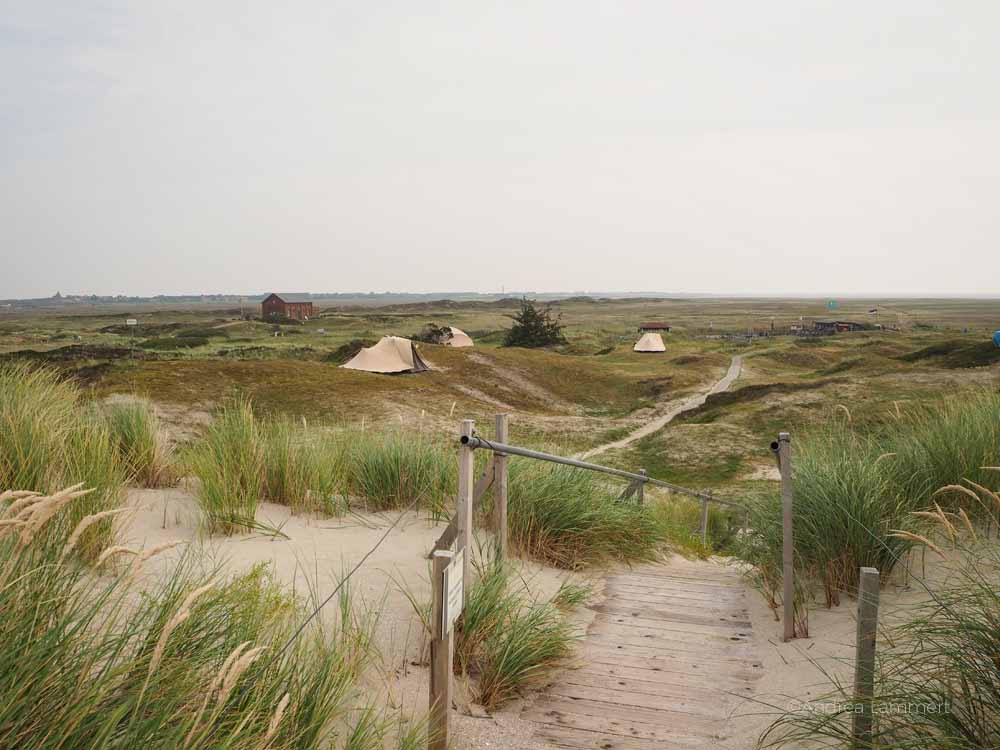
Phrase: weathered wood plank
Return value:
(665, 663)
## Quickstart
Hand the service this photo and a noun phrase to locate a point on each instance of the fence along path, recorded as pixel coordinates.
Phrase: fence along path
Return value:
(666, 661)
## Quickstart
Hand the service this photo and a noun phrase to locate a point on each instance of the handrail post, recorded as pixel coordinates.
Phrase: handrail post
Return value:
(640, 493)
(704, 522)
(442, 656)
(463, 513)
(500, 485)
(864, 661)
(784, 453)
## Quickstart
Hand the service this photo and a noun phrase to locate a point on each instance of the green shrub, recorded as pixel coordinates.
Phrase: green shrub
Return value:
(166, 342)
(570, 518)
(534, 327)
(135, 430)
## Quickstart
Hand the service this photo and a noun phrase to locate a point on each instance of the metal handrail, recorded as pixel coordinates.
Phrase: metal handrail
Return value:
(478, 442)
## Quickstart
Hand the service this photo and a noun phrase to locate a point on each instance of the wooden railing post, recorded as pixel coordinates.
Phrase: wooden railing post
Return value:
(463, 513)
(864, 660)
(784, 450)
(640, 493)
(442, 655)
(704, 521)
(500, 489)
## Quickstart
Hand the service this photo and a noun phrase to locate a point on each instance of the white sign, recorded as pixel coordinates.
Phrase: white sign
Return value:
(131, 322)
(454, 592)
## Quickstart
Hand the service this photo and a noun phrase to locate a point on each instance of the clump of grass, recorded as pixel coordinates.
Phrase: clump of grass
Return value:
(507, 641)
(392, 470)
(570, 518)
(947, 443)
(305, 473)
(940, 666)
(864, 499)
(199, 661)
(49, 438)
(680, 521)
(136, 431)
(229, 463)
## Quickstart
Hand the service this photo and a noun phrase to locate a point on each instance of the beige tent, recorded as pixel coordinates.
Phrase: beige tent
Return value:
(390, 355)
(650, 342)
(458, 338)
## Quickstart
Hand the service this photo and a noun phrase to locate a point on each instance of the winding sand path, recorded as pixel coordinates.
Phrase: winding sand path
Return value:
(666, 662)
(735, 366)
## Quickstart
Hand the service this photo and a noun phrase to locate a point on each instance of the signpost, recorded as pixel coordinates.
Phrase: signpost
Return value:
(454, 593)
(448, 584)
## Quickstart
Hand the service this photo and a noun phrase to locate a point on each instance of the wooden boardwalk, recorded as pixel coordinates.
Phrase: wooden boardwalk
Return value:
(664, 664)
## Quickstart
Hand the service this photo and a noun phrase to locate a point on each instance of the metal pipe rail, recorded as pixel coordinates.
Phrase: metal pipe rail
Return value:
(474, 441)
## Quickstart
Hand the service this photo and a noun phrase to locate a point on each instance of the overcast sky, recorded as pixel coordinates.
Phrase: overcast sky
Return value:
(315, 145)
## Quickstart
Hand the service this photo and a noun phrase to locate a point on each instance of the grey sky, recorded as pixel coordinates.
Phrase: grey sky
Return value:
(317, 145)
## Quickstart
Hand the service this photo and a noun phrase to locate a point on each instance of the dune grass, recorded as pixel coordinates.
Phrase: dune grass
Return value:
(507, 641)
(303, 471)
(229, 463)
(393, 469)
(197, 662)
(862, 498)
(243, 459)
(50, 438)
(136, 431)
(571, 518)
(936, 677)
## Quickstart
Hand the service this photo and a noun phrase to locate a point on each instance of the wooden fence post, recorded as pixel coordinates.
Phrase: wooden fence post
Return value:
(864, 660)
(640, 493)
(704, 521)
(788, 546)
(442, 656)
(463, 513)
(500, 489)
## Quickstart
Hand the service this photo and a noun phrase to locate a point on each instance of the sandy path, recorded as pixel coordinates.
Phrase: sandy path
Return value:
(664, 419)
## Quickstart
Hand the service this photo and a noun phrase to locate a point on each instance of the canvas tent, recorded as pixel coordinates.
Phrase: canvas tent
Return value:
(458, 338)
(650, 342)
(390, 355)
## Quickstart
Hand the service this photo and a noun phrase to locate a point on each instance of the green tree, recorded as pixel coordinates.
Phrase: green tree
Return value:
(534, 327)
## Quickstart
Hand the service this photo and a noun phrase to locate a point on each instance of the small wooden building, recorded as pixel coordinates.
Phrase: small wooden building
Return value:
(838, 326)
(274, 307)
(654, 328)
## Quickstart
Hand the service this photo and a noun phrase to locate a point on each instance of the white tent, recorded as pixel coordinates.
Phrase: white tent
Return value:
(650, 342)
(458, 338)
(390, 355)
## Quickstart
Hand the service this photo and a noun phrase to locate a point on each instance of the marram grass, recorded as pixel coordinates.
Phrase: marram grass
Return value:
(198, 661)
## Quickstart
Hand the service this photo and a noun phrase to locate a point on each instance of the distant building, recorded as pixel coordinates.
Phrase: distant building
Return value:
(838, 326)
(292, 309)
(649, 327)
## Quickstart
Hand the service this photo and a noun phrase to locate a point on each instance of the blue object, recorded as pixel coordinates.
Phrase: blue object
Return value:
(996, 338)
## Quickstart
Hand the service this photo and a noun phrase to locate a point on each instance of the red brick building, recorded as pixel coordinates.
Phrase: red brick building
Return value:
(276, 307)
